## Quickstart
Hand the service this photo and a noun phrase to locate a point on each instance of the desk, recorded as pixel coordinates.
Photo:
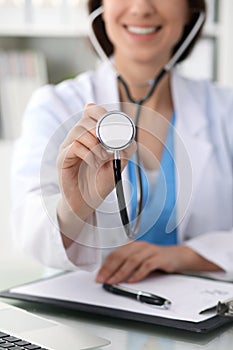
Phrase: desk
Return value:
(124, 335)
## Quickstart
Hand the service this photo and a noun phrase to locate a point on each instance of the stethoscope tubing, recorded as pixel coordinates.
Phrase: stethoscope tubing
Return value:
(121, 198)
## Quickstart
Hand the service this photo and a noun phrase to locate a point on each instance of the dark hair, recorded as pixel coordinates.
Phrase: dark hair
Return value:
(195, 6)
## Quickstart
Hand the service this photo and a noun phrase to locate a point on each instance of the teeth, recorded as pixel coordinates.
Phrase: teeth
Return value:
(142, 30)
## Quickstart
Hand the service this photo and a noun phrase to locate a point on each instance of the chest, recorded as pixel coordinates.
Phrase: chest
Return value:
(153, 130)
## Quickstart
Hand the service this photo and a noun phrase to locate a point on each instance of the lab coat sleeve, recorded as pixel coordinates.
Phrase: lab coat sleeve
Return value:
(37, 232)
(217, 246)
(35, 190)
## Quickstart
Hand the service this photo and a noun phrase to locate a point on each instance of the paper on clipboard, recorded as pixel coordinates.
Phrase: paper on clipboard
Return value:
(189, 295)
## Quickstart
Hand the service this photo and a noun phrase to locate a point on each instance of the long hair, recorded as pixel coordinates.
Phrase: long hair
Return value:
(195, 7)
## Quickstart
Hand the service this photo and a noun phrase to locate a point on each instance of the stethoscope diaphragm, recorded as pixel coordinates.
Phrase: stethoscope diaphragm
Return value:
(115, 131)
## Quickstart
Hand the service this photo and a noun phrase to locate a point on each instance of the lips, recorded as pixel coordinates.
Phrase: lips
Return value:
(142, 30)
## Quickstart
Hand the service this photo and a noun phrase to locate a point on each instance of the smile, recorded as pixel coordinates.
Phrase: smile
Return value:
(142, 30)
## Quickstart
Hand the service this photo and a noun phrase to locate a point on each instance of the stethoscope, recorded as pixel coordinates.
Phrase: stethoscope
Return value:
(115, 130)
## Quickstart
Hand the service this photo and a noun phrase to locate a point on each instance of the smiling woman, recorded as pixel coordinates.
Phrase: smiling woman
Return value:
(144, 30)
(195, 7)
(183, 149)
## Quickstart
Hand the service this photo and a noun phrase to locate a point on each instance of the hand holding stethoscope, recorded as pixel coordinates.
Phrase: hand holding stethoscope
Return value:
(85, 166)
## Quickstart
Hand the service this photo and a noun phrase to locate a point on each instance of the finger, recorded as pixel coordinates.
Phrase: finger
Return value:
(88, 140)
(145, 269)
(109, 267)
(94, 112)
(125, 270)
(115, 260)
(78, 130)
(83, 133)
(75, 151)
(112, 263)
(132, 263)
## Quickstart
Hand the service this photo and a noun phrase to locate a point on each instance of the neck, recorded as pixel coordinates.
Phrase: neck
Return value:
(136, 74)
(136, 80)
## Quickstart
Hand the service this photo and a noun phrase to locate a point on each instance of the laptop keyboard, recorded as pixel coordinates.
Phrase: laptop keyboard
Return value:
(10, 342)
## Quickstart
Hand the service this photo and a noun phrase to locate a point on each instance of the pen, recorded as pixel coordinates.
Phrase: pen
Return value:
(138, 295)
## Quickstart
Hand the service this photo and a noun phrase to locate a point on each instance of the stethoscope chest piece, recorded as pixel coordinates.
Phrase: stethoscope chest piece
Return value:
(115, 131)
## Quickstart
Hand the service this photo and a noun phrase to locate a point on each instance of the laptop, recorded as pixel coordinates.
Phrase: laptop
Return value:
(20, 329)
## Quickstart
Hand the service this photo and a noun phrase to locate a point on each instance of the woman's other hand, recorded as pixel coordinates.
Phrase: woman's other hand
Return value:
(136, 260)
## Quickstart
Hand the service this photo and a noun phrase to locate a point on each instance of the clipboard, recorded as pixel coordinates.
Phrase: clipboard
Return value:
(78, 291)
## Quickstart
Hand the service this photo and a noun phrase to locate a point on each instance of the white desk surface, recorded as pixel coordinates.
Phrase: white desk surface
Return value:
(124, 335)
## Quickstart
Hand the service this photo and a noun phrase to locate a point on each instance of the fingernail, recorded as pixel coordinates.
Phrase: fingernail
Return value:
(89, 105)
(112, 280)
(100, 279)
(130, 280)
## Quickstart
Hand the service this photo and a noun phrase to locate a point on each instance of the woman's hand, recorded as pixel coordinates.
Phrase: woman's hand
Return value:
(136, 260)
(84, 167)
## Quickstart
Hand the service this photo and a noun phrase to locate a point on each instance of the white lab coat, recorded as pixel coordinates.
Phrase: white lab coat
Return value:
(204, 125)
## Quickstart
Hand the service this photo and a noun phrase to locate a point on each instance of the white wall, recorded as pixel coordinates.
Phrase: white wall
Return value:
(5, 231)
(225, 51)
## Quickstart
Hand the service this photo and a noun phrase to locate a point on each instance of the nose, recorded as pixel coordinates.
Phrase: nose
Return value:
(142, 7)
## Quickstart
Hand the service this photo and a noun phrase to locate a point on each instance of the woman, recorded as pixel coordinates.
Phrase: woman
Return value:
(142, 35)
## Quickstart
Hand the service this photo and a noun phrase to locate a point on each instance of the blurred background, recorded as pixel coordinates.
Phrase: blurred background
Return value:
(45, 41)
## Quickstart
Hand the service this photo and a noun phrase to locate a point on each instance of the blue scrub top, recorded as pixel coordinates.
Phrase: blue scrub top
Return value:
(158, 218)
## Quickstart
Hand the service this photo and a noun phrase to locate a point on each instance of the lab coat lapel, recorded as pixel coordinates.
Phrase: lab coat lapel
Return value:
(105, 87)
(191, 148)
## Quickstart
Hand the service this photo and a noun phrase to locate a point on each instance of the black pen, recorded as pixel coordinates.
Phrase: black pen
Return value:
(138, 295)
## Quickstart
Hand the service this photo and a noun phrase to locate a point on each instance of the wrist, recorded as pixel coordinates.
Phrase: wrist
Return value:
(193, 261)
(70, 223)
